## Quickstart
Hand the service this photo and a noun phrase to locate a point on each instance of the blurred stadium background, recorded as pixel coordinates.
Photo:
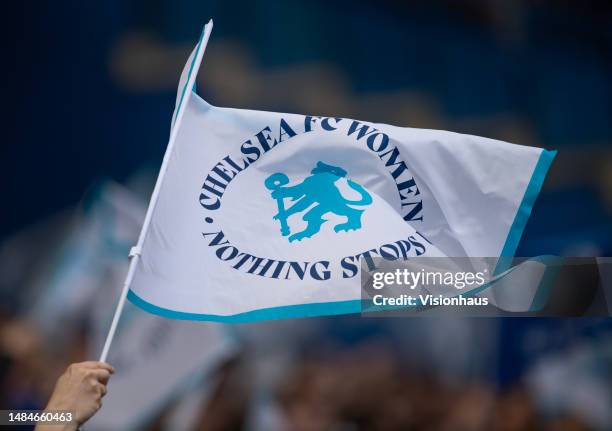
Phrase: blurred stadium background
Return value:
(91, 88)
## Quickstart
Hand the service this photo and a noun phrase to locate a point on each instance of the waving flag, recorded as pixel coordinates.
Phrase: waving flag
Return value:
(262, 215)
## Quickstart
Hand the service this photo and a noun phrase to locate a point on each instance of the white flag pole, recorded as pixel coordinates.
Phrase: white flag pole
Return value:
(135, 251)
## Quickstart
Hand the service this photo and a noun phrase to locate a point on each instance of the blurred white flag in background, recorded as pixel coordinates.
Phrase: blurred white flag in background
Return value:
(157, 360)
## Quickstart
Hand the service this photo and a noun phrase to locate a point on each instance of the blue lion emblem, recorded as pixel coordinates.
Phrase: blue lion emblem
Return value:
(320, 189)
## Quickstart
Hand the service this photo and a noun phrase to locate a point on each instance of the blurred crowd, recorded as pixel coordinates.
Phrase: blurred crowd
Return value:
(366, 386)
(91, 118)
(351, 390)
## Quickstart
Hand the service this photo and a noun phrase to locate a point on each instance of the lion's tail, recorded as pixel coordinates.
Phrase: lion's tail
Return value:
(366, 198)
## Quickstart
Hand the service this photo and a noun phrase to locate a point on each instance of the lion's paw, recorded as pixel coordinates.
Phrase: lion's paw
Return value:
(344, 227)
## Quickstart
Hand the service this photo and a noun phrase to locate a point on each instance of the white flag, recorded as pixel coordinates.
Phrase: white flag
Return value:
(96, 245)
(262, 215)
(157, 360)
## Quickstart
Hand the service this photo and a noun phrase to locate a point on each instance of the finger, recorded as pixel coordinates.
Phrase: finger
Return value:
(101, 376)
(101, 389)
(97, 389)
(97, 365)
